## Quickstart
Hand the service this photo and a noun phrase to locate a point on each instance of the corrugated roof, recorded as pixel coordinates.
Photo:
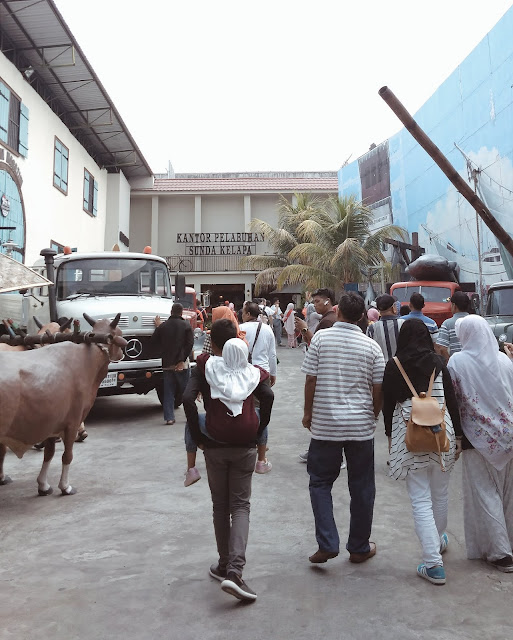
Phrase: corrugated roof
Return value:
(300, 185)
(34, 34)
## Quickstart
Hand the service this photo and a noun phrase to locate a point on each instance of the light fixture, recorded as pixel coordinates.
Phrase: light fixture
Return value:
(28, 72)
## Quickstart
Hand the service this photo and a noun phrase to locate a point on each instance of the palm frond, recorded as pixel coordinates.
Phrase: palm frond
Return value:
(310, 277)
(308, 253)
(348, 259)
(258, 263)
(267, 278)
(279, 239)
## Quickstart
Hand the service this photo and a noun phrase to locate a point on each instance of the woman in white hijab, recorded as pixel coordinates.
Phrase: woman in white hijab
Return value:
(483, 382)
(290, 327)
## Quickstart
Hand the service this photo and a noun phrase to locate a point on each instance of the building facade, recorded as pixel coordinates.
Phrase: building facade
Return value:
(470, 118)
(201, 223)
(66, 157)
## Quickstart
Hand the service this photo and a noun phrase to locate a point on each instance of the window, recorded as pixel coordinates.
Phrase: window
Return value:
(13, 121)
(56, 246)
(60, 166)
(90, 194)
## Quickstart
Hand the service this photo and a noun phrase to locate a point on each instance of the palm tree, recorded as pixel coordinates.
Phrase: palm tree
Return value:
(322, 245)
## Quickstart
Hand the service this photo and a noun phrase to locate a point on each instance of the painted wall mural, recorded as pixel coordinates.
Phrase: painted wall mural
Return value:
(470, 118)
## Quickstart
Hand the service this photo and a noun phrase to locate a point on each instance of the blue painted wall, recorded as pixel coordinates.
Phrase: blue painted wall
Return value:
(474, 109)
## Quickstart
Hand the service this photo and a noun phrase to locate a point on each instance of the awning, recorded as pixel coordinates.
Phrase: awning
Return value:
(15, 276)
(288, 289)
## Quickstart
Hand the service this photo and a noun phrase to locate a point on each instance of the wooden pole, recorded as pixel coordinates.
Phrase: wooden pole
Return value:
(434, 152)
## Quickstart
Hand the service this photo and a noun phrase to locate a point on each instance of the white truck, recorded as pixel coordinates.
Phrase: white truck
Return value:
(137, 285)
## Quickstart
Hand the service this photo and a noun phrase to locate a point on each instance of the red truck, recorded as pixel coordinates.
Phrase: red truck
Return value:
(437, 295)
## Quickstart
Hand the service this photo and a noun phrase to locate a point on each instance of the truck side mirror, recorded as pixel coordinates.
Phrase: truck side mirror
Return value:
(476, 303)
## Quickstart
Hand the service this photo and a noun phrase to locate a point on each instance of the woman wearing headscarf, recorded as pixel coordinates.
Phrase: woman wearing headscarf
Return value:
(217, 314)
(290, 328)
(426, 474)
(483, 381)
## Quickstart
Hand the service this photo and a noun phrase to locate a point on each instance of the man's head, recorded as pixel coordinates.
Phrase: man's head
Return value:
(276, 301)
(323, 300)
(416, 302)
(222, 330)
(250, 311)
(405, 310)
(459, 302)
(177, 310)
(351, 307)
(386, 305)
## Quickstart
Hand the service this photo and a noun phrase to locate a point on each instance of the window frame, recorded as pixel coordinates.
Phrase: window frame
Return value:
(14, 150)
(55, 140)
(92, 182)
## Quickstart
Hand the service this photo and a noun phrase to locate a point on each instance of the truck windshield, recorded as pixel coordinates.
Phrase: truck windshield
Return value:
(113, 276)
(431, 294)
(500, 302)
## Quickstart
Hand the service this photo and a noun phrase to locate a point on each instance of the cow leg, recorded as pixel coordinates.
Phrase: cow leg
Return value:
(67, 457)
(43, 487)
(3, 478)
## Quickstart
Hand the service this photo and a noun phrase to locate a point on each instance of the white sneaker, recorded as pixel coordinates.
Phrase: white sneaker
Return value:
(303, 456)
(263, 466)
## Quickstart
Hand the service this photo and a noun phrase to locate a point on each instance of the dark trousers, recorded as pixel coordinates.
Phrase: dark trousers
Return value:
(230, 472)
(324, 460)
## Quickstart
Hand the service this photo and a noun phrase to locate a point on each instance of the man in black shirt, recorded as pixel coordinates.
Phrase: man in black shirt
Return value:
(175, 339)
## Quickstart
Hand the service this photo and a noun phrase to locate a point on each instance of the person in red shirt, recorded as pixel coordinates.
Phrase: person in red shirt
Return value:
(228, 433)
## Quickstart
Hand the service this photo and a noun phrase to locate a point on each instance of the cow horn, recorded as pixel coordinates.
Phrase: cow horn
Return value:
(66, 324)
(114, 323)
(91, 321)
(38, 322)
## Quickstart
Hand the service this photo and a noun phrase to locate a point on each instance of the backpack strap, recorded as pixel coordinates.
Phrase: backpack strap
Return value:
(250, 358)
(431, 381)
(406, 379)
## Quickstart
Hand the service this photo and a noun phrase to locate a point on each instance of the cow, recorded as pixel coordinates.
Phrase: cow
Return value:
(46, 393)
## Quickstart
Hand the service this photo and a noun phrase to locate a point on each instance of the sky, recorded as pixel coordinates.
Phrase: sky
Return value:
(270, 85)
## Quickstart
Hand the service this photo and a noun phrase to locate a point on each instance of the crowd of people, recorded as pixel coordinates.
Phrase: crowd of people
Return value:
(358, 363)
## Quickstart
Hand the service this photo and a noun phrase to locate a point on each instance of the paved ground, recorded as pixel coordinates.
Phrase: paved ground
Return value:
(127, 557)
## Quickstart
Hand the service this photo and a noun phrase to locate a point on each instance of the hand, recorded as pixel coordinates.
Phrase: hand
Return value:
(508, 350)
(157, 321)
(273, 380)
(307, 421)
(201, 446)
(458, 449)
(179, 366)
(300, 324)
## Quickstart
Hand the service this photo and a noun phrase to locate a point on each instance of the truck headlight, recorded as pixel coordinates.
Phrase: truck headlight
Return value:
(503, 337)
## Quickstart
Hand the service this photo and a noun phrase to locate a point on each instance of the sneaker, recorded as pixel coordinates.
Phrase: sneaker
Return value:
(192, 475)
(216, 572)
(435, 575)
(444, 542)
(503, 564)
(303, 456)
(263, 466)
(235, 585)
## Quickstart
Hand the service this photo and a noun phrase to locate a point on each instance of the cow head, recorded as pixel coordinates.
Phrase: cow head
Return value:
(116, 345)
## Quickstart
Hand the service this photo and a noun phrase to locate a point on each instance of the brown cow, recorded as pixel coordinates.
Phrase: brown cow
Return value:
(47, 393)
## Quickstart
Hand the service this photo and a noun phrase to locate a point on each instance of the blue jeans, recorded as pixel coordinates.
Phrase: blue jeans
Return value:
(174, 385)
(277, 329)
(190, 445)
(324, 460)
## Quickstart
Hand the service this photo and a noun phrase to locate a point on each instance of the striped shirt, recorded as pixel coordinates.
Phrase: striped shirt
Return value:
(385, 332)
(447, 336)
(429, 322)
(346, 364)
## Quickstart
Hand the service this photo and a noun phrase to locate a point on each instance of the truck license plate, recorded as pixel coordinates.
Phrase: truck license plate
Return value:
(110, 380)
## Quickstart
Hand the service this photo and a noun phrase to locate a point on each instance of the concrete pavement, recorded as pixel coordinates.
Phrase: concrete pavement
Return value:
(128, 555)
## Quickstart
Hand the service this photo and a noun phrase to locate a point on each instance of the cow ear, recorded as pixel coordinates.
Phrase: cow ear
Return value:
(114, 323)
(91, 321)
(38, 322)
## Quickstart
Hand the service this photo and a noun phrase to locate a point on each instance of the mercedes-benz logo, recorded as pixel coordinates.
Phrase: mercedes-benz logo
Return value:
(134, 348)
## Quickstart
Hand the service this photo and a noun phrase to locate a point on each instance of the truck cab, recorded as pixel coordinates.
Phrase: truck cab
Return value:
(499, 310)
(437, 296)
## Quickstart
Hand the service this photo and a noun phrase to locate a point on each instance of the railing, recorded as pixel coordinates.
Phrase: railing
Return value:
(205, 264)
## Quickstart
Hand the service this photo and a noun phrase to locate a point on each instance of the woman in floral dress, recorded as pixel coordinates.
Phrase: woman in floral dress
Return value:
(483, 382)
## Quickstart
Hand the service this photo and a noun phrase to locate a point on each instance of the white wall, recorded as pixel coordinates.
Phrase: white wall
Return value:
(118, 210)
(49, 214)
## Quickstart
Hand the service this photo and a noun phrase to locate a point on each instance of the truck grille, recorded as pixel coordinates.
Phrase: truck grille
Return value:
(140, 348)
(123, 322)
(148, 321)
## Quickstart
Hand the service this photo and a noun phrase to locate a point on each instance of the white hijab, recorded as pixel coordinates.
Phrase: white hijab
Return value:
(483, 381)
(231, 378)
(288, 323)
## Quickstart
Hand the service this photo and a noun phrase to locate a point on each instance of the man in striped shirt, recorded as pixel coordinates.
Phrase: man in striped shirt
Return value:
(386, 330)
(447, 341)
(344, 369)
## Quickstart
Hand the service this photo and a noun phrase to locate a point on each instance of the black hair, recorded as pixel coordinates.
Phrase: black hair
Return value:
(222, 331)
(351, 306)
(176, 309)
(324, 293)
(417, 301)
(461, 300)
(252, 308)
(405, 310)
